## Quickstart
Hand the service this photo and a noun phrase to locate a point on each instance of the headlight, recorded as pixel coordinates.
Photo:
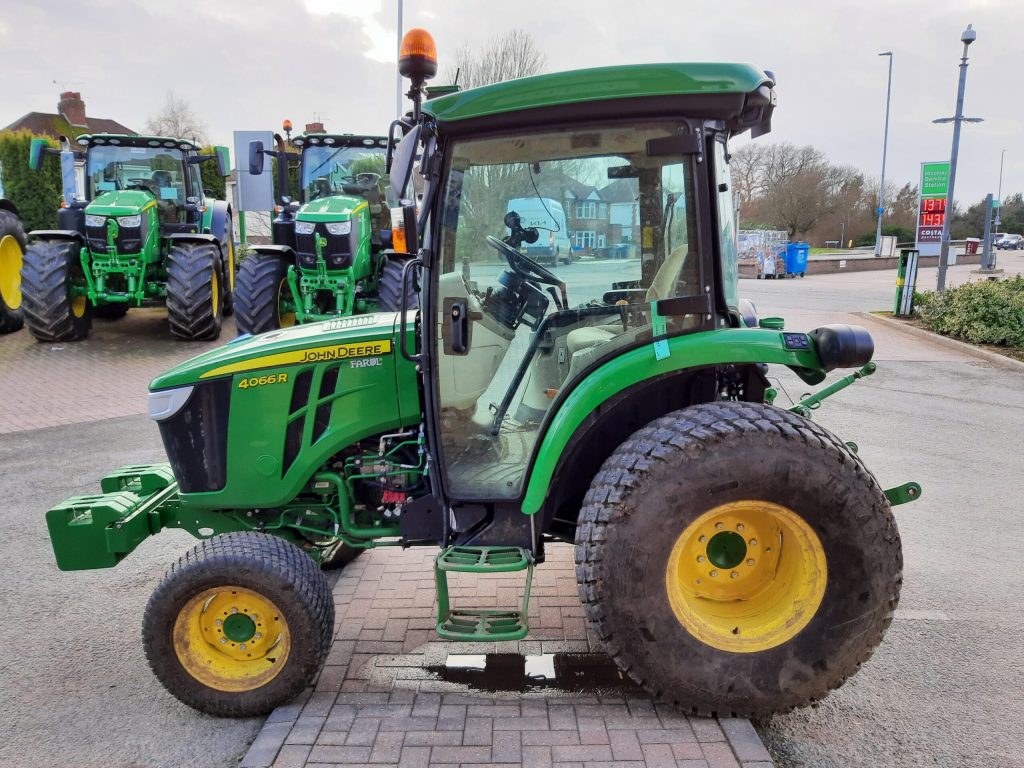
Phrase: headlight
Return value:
(130, 221)
(167, 402)
(95, 221)
(304, 227)
(340, 227)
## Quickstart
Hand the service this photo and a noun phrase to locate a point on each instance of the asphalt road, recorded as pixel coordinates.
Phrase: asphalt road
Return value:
(75, 688)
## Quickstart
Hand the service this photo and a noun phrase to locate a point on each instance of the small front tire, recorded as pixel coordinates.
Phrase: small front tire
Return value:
(240, 624)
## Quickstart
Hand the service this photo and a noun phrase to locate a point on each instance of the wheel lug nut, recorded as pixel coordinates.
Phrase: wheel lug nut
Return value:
(223, 641)
(234, 610)
(700, 558)
(219, 623)
(739, 526)
(750, 562)
(702, 538)
(719, 526)
(753, 542)
(713, 574)
(257, 636)
(241, 647)
(734, 575)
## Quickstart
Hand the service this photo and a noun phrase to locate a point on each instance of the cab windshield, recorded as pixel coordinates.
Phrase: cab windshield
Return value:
(557, 247)
(157, 170)
(330, 170)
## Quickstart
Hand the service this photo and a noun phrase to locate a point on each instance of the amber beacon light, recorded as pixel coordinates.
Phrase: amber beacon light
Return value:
(417, 57)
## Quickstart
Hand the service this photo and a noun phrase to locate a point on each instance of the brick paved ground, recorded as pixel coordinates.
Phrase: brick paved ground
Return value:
(377, 703)
(107, 375)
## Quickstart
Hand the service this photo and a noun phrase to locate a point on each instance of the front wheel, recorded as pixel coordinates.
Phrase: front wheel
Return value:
(737, 559)
(53, 291)
(194, 300)
(262, 295)
(241, 624)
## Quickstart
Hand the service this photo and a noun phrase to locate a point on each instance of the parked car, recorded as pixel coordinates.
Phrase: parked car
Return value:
(1010, 242)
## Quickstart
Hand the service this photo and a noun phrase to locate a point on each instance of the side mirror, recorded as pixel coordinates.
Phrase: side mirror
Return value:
(35, 153)
(402, 162)
(223, 161)
(255, 157)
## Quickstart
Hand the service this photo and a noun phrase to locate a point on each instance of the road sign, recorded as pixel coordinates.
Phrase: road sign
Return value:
(931, 207)
(879, 211)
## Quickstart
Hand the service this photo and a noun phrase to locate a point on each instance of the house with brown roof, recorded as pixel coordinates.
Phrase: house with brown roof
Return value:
(70, 120)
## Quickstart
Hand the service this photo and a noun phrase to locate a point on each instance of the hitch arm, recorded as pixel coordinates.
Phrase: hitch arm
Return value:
(811, 402)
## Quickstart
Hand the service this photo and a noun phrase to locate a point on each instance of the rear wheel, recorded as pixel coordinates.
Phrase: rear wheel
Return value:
(390, 287)
(240, 624)
(53, 291)
(12, 249)
(194, 305)
(264, 299)
(737, 559)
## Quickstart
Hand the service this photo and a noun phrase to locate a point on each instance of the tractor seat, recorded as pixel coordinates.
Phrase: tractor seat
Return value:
(585, 338)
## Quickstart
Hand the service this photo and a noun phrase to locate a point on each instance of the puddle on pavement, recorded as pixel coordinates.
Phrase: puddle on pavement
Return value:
(568, 672)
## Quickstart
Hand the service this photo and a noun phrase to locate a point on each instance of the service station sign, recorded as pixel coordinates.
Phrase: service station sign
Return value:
(931, 207)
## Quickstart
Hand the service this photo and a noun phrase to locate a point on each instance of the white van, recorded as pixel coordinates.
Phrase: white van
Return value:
(547, 216)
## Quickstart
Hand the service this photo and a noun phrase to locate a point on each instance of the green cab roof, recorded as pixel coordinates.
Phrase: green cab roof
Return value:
(740, 94)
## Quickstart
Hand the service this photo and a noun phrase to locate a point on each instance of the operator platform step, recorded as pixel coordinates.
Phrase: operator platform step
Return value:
(481, 624)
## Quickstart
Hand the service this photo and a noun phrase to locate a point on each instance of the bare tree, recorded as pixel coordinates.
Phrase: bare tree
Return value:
(176, 119)
(507, 56)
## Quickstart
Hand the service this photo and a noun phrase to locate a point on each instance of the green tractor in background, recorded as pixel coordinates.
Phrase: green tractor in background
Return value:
(12, 248)
(144, 230)
(734, 557)
(330, 255)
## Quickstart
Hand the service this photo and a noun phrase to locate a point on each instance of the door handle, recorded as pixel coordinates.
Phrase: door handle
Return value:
(459, 322)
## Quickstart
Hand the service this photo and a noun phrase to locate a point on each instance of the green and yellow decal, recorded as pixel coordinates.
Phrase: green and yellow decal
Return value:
(310, 355)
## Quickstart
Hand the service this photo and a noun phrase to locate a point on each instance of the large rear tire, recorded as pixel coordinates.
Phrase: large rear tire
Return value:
(240, 624)
(12, 250)
(737, 559)
(389, 289)
(194, 299)
(52, 285)
(262, 294)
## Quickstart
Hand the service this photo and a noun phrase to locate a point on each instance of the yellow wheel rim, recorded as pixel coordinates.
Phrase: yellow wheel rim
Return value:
(285, 319)
(215, 292)
(746, 576)
(78, 305)
(231, 639)
(231, 258)
(10, 271)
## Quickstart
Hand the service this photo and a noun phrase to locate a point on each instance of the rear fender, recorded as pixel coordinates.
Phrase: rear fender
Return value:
(608, 378)
(9, 206)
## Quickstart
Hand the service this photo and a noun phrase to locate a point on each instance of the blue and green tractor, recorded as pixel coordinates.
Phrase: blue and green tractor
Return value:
(732, 556)
(142, 231)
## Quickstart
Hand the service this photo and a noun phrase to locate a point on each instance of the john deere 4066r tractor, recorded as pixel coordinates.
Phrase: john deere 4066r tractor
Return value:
(145, 230)
(328, 258)
(734, 556)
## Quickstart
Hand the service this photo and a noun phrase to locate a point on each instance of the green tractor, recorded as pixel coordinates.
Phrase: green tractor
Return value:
(330, 255)
(12, 249)
(733, 556)
(144, 231)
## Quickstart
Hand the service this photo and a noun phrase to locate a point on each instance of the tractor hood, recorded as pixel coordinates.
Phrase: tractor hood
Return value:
(334, 208)
(344, 338)
(123, 202)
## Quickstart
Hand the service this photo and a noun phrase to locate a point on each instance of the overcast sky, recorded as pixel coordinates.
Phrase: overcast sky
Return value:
(246, 64)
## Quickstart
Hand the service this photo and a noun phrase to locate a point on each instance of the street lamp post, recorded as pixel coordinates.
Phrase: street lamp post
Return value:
(885, 147)
(999, 192)
(968, 37)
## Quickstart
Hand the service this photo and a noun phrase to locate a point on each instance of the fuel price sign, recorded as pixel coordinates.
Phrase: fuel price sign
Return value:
(931, 207)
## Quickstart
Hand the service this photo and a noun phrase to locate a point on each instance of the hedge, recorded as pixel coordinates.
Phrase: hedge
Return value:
(983, 312)
(36, 193)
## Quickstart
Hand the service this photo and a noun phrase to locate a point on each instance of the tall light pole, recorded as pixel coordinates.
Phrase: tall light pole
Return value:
(885, 147)
(398, 54)
(999, 192)
(968, 37)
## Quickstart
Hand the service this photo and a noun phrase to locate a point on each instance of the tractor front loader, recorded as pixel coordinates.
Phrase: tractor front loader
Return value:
(143, 231)
(331, 254)
(733, 556)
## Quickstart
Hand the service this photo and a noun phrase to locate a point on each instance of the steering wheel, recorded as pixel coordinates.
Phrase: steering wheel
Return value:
(145, 185)
(368, 178)
(522, 264)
